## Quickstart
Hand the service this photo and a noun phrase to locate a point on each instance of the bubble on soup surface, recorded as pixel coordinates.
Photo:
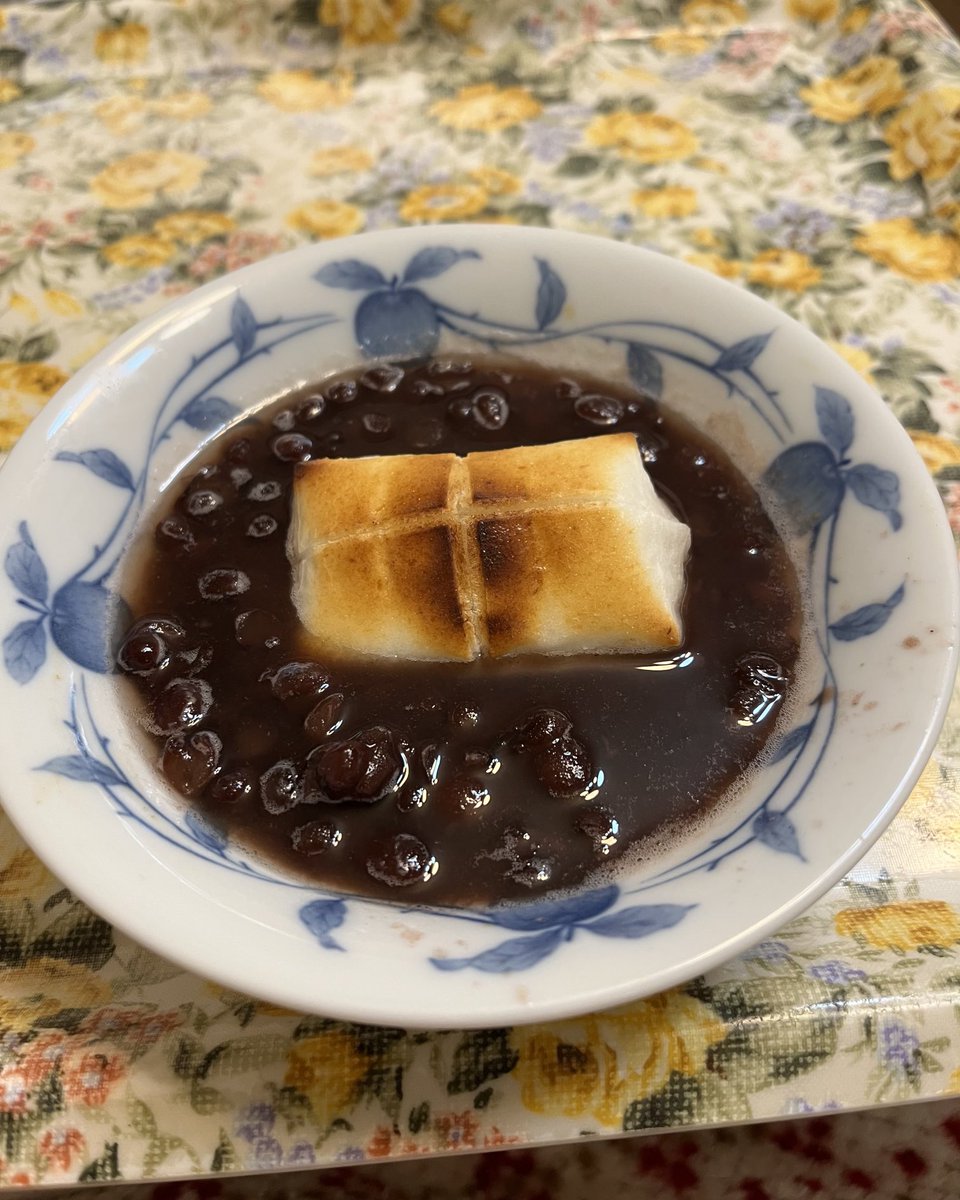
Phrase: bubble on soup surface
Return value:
(294, 680)
(401, 860)
(181, 705)
(173, 534)
(233, 786)
(264, 492)
(564, 767)
(598, 410)
(600, 826)
(223, 583)
(256, 627)
(311, 409)
(377, 426)
(344, 391)
(383, 378)
(540, 729)
(316, 837)
(262, 526)
(292, 447)
(489, 409)
(142, 652)
(325, 718)
(203, 502)
(280, 787)
(759, 687)
(190, 760)
(365, 767)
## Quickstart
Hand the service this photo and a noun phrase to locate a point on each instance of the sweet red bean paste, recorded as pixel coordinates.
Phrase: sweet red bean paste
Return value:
(449, 783)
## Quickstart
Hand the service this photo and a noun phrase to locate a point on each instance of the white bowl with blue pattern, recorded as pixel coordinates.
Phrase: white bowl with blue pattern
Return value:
(859, 513)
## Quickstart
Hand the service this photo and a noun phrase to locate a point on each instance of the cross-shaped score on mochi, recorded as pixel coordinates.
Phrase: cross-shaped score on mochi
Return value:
(558, 549)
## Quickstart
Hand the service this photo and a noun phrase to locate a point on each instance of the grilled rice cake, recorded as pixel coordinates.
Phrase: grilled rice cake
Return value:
(557, 549)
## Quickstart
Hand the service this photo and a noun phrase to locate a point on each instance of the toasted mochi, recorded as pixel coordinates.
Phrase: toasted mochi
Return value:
(557, 549)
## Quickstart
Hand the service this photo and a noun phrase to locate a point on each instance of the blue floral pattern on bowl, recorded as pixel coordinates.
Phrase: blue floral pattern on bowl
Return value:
(397, 318)
(859, 514)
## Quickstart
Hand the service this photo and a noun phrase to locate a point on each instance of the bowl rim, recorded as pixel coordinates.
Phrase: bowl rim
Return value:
(34, 443)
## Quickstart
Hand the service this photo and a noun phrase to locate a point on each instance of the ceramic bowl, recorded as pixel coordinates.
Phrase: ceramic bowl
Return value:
(856, 508)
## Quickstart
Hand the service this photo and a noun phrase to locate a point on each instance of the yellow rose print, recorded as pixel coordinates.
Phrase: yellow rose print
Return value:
(46, 986)
(443, 202)
(24, 389)
(642, 137)
(23, 306)
(121, 114)
(724, 267)
(679, 43)
(857, 358)
(365, 22)
(937, 452)
(713, 14)
(787, 269)
(326, 218)
(9, 91)
(328, 1070)
(302, 91)
(452, 17)
(815, 12)
(666, 202)
(181, 106)
(32, 379)
(901, 926)
(705, 237)
(856, 18)
(13, 146)
(124, 43)
(873, 86)
(339, 160)
(486, 108)
(193, 226)
(139, 252)
(925, 136)
(899, 245)
(496, 182)
(141, 179)
(597, 1066)
(63, 304)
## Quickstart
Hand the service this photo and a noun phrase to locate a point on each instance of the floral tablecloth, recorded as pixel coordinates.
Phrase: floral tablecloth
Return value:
(809, 150)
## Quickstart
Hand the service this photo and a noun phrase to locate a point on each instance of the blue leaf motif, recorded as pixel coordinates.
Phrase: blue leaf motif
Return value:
(322, 916)
(776, 830)
(80, 623)
(792, 741)
(742, 355)
(551, 295)
(433, 261)
(25, 569)
(548, 914)
(645, 369)
(835, 418)
(806, 483)
(351, 274)
(516, 954)
(83, 770)
(864, 621)
(876, 488)
(207, 412)
(104, 464)
(640, 920)
(205, 833)
(398, 325)
(243, 326)
(25, 650)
